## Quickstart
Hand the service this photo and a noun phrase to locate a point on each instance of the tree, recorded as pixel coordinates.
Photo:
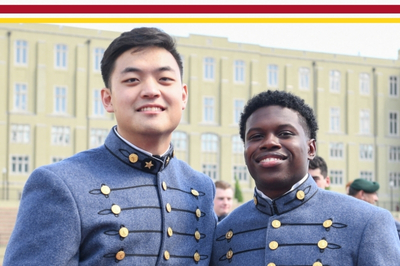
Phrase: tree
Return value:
(238, 192)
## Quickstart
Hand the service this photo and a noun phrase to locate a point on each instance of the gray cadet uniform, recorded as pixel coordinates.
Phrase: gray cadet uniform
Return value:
(114, 204)
(307, 226)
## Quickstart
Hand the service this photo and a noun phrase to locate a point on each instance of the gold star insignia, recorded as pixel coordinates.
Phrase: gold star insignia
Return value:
(149, 164)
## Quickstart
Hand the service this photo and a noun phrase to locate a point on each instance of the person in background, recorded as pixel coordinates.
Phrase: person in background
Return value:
(319, 171)
(291, 221)
(223, 199)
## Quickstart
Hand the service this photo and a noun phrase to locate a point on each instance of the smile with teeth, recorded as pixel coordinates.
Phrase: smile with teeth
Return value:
(152, 109)
(271, 159)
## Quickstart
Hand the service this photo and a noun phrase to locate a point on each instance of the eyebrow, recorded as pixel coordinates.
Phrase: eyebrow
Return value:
(138, 70)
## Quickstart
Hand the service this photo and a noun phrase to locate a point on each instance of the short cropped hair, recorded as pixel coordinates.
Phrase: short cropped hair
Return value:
(283, 99)
(139, 38)
(319, 163)
(222, 185)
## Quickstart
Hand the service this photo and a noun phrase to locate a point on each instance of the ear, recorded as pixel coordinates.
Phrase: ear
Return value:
(312, 149)
(106, 97)
(328, 181)
(184, 96)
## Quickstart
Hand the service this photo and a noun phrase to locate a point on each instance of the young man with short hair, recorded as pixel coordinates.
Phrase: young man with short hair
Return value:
(291, 221)
(223, 199)
(319, 172)
(130, 200)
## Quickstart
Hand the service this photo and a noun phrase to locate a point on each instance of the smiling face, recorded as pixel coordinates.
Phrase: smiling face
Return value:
(147, 97)
(277, 149)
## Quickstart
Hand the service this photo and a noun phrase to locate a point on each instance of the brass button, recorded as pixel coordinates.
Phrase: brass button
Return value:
(123, 232)
(166, 255)
(197, 235)
(105, 190)
(276, 224)
(169, 231)
(168, 207)
(327, 223)
(229, 254)
(255, 201)
(164, 185)
(271, 264)
(120, 255)
(273, 245)
(322, 244)
(317, 263)
(198, 213)
(195, 192)
(133, 158)
(116, 209)
(196, 257)
(229, 234)
(300, 195)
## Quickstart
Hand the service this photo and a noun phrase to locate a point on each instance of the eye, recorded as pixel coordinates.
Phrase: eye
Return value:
(254, 137)
(131, 80)
(286, 134)
(166, 80)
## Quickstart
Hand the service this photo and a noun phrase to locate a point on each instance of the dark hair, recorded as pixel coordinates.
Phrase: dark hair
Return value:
(319, 163)
(283, 99)
(222, 184)
(140, 38)
(352, 191)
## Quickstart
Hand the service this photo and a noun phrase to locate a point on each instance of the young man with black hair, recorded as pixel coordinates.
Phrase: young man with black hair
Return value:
(319, 172)
(128, 201)
(291, 221)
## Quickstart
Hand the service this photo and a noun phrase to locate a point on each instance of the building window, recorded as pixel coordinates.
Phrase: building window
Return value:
(240, 173)
(336, 177)
(98, 108)
(364, 122)
(20, 97)
(334, 121)
(394, 179)
(209, 143)
(60, 135)
(304, 78)
(55, 159)
(97, 137)
(209, 68)
(20, 133)
(237, 110)
(364, 83)
(210, 156)
(180, 142)
(98, 55)
(208, 109)
(60, 56)
(60, 100)
(19, 164)
(210, 170)
(239, 71)
(394, 153)
(367, 175)
(393, 86)
(334, 81)
(21, 52)
(366, 151)
(393, 123)
(237, 145)
(272, 75)
(336, 150)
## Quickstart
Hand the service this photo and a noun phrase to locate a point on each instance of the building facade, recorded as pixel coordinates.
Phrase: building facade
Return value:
(51, 109)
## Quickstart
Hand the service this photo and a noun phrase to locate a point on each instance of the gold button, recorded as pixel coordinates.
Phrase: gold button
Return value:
(317, 263)
(198, 213)
(271, 264)
(168, 207)
(229, 234)
(120, 255)
(229, 254)
(327, 223)
(105, 190)
(123, 232)
(169, 231)
(166, 255)
(116, 209)
(196, 257)
(195, 192)
(255, 200)
(300, 195)
(133, 158)
(273, 245)
(276, 224)
(164, 185)
(197, 235)
(322, 244)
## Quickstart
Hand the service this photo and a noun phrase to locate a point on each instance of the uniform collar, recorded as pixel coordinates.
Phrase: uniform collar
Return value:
(287, 202)
(135, 157)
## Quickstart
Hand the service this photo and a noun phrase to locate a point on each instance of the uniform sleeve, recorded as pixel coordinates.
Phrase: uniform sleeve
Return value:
(380, 244)
(47, 230)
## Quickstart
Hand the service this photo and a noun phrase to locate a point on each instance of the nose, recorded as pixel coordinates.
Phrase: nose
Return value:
(150, 89)
(270, 142)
